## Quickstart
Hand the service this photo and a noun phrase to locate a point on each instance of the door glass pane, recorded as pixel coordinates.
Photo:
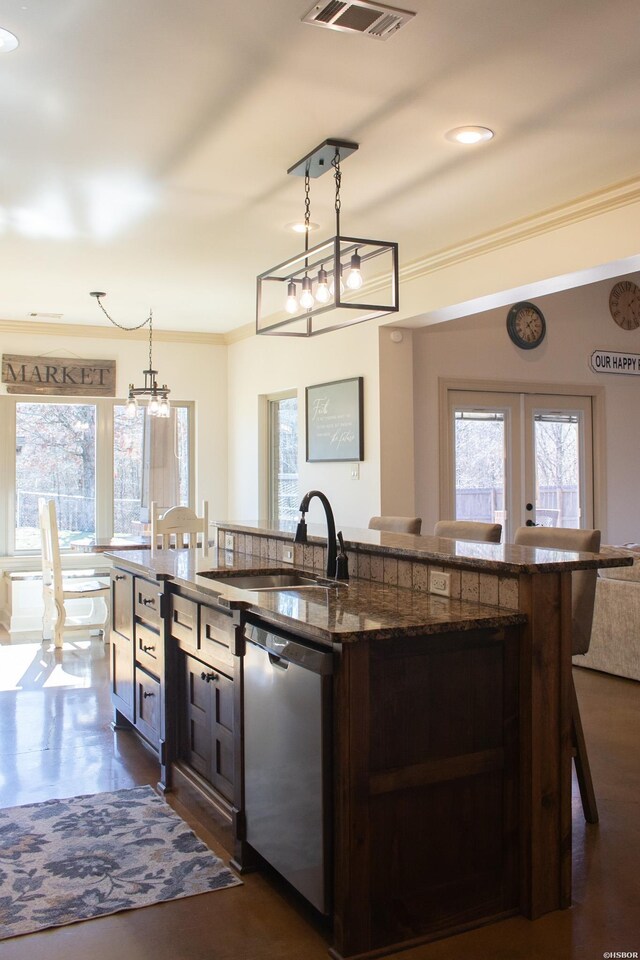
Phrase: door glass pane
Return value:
(55, 459)
(283, 458)
(480, 465)
(557, 469)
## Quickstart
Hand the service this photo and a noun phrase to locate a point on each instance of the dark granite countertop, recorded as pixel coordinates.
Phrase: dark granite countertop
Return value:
(334, 614)
(502, 558)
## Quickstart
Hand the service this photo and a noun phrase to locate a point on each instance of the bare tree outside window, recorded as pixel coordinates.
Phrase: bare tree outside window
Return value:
(55, 459)
(480, 463)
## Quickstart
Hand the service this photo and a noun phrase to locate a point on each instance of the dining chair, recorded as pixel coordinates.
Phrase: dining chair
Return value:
(468, 530)
(583, 592)
(56, 590)
(396, 524)
(179, 527)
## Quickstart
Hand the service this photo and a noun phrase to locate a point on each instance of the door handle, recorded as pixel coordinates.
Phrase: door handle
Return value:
(278, 661)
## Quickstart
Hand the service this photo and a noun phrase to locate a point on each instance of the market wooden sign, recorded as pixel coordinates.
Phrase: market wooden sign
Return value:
(59, 376)
(610, 361)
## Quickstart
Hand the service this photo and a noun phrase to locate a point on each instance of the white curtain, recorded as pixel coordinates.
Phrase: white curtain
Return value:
(160, 481)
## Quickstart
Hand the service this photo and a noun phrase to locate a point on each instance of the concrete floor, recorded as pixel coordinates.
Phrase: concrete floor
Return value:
(55, 741)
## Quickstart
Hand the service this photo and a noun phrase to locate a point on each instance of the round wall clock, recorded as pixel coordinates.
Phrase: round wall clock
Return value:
(526, 325)
(624, 304)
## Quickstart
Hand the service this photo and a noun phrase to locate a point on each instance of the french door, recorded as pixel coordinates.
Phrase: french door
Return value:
(519, 458)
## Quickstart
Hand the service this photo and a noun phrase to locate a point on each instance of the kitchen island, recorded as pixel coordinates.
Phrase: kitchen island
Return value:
(450, 770)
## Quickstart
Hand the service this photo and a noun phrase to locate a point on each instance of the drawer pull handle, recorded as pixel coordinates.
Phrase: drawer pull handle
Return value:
(147, 648)
(120, 576)
(148, 694)
(148, 601)
(208, 677)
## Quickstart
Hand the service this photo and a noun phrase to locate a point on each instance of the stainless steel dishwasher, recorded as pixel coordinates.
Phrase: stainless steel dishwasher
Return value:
(287, 730)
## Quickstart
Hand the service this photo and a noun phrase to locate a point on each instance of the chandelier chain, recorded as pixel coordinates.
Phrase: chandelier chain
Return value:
(150, 322)
(120, 325)
(337, 176)
(307, 201)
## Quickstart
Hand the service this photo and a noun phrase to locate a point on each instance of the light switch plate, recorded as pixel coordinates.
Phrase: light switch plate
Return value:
(355, 471)
(440, 583)
(287, 555)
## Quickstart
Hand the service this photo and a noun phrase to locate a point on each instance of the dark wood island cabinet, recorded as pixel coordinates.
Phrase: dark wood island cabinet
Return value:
(450, 775)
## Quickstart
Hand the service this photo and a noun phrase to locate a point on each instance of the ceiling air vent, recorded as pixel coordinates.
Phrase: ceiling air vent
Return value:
(359, 16)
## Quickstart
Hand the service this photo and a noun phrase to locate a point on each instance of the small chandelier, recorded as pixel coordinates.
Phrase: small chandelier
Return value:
(158, 405)
(337, 283)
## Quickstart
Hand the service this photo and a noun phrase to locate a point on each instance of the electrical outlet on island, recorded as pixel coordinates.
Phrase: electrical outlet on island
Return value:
(287, 554)
(228, 541)
(440, 583)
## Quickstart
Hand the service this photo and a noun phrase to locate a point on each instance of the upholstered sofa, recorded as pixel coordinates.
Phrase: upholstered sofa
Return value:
(615, 635)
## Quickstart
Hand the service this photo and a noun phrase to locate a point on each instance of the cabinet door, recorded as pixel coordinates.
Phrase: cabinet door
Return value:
(122, 686)
(222, 759)
(207, 742)
(122, 604)
(196, 746)
(147, 706)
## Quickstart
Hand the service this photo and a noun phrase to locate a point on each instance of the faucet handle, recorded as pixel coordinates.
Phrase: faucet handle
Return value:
(342, 560)
(301, 531)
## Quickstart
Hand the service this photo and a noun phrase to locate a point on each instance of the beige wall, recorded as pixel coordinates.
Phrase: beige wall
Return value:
(193, 371)
(478, 348)
(264, 365)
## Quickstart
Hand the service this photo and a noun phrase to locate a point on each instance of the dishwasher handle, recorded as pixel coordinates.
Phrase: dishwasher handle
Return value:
(277, 661)
(286, 650)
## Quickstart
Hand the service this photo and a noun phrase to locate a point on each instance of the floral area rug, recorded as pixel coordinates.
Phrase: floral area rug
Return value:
(68, 860)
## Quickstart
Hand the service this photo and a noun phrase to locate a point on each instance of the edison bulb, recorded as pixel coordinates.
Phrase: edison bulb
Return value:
(131, 408)
(306, 297)
(291, 304)
(354, 277)
(154, 406)
(322, 292)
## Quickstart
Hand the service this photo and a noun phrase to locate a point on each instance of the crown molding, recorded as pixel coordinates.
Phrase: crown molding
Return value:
(583, 208)
(240, 333)
(88, 331)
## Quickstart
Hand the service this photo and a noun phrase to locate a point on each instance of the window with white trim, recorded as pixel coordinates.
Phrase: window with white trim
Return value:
(88, 457)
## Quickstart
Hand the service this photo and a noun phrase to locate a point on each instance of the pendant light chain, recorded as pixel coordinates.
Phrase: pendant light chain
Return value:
(337, 176)
(115, 322)
(150, 321)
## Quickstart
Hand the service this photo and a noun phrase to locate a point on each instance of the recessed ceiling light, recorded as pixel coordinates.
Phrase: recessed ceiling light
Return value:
(469, 134)
(298, 226)
(8, 41)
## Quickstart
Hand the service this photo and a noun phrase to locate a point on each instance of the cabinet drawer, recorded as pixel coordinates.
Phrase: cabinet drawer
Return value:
(184, 621)
(147, 600)
(148, 648)
(217, 636)
(147, 706)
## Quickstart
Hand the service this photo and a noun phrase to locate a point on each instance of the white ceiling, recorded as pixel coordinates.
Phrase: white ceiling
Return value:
(145, 144)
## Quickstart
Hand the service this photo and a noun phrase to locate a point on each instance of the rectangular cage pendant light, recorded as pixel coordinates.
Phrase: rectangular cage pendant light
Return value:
(339, 282)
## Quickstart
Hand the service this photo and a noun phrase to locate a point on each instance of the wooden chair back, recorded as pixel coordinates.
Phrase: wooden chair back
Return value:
(51, 565)
(583, 582)
(468, 530)
(179, 527)
(396, 524)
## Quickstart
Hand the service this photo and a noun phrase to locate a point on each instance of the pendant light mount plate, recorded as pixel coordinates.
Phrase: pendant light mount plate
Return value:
(319, 160)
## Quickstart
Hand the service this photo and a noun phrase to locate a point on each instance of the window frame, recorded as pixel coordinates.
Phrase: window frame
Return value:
(104, 407)
(271, 486)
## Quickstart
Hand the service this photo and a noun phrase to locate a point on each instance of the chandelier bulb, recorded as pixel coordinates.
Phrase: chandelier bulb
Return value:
(131, 408)
(332, 285)
(354, 277)
(164, 409)
(291, 304)
(154, 406)
(306, 297)
(322, 292)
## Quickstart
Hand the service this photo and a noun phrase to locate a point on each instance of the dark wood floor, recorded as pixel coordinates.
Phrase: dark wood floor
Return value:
(55, 741)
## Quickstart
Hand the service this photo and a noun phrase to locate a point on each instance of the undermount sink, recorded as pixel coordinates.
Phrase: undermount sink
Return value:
(290, 580)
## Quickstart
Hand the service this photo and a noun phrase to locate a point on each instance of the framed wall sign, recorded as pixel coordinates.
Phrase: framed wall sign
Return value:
(334, 414)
